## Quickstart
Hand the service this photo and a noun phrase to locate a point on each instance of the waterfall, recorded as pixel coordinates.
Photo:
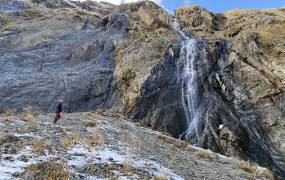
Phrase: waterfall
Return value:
(191, 76)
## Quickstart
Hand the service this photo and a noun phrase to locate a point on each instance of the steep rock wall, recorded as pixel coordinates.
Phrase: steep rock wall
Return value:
(250, 78)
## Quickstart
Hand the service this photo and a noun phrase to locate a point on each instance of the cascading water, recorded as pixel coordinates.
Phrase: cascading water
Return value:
(208, 113)
(191, 76)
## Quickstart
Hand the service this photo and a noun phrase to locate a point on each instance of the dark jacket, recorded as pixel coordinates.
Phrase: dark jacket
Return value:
(59, 108)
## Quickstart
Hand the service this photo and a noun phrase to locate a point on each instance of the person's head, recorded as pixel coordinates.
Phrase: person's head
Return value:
(59, 101)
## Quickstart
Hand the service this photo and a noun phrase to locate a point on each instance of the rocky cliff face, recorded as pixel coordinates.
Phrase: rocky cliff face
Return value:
(128, 58)
(249, 79)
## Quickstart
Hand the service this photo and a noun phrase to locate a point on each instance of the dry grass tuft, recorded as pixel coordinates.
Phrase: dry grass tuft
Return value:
(269, 38)
(90, 123)
(205, 156)
(124, 126)
(39, 147)
(7, 116)
(94, 140)
(49, 170)
(27, 117)
(145, 16)
(29, 114)
(71, 140)
(268, 174)
(177, 143)
(248, 167)
(31, 126)
(236, 12)
(160, 31)
(127, 168)
(160, 178)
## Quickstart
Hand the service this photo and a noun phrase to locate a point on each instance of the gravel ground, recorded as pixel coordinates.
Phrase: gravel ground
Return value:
(102, 145)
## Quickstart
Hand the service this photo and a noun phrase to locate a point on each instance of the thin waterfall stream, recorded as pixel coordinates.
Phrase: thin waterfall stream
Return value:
(191, 77)
(212, 121)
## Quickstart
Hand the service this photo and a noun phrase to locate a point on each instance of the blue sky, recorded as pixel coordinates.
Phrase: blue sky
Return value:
(224, 5)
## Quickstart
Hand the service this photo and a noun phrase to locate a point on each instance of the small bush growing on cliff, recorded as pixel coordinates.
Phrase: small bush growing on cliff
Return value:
(268, 174)
(248, 167)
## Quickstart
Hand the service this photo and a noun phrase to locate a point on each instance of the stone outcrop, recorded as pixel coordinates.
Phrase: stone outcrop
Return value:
(127, 58)
(249, 78)
(57, 53)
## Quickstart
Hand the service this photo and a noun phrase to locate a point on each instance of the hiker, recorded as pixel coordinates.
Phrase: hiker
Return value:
(58, 111)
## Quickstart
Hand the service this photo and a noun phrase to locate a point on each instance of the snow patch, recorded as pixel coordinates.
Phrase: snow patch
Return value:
(108, 155)
(27, 135)
(9, 167)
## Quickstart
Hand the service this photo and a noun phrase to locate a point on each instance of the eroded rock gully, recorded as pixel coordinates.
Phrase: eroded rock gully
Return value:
(128, 58)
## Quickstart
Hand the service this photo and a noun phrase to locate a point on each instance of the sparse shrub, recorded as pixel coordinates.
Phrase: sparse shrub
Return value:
(71, 140)
(29, 115)
(159, 44)
(268, 174)
(233, 13)
(122, 46)
(51, 169)
(145, 17)
(160, 31)
(29, 127)
(94, 140)
(124, 126)
(205, 155)
(94, 169)
(101, 170)
(127, 168)
(23, 158)
(90, 123)
(177, 143)
(159, 178)
(7, 116)
(39, 147)
(248, 167)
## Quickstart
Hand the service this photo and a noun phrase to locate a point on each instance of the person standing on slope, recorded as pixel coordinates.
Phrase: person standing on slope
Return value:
(58, 111)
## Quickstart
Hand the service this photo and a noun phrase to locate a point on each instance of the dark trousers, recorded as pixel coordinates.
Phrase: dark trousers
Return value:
(57, 117)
